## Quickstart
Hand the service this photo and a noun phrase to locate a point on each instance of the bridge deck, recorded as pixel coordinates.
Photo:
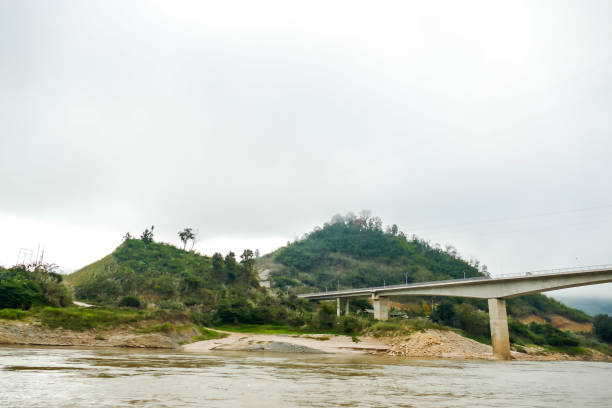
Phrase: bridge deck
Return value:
(507, 280)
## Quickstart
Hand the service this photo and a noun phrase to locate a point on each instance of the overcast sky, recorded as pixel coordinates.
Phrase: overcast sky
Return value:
(483, 125)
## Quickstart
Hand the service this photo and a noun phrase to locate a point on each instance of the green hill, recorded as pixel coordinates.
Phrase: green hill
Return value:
(161, 272)
(355, 252)
(211, 290)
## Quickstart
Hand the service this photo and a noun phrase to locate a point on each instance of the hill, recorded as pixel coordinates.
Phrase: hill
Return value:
(162, 272)
(354, 251)
(210, 290)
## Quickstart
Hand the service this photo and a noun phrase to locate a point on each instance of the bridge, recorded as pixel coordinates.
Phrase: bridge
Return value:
(496, 289)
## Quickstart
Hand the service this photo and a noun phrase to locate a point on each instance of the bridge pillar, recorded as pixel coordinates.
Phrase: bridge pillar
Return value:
(498, 318)
(347, 306)
(381, 308)
(338, 307)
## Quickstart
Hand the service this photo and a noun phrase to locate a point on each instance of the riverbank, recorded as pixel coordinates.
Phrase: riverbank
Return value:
(429, 343)
(35, 334)
(421, 344)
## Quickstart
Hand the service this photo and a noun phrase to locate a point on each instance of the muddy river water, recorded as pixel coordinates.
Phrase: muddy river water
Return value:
(70, 377)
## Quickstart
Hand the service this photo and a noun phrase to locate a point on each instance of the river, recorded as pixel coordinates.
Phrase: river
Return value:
(71, 377)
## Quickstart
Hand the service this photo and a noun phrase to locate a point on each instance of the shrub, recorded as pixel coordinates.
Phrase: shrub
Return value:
(129, 301)
(350, 324)
(325, 317)
(16, 294)
(165, 327)
(602, 326)
(171, 305)
(553, 336)
(83, 319)
(12, 314)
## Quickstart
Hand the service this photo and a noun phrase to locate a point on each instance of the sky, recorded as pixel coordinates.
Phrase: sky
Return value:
(479, 124)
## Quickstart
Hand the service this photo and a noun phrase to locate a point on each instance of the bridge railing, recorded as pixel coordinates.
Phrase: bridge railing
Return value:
(476, 278)
(555, 271)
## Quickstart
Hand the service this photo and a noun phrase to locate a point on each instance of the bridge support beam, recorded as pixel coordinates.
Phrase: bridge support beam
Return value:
(381, 308)
(500, 338)
(338, 307)
(347, 306)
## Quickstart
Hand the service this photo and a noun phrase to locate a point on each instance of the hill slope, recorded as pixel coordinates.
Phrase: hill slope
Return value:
(356, 252)
(158, 272)
(210, 290)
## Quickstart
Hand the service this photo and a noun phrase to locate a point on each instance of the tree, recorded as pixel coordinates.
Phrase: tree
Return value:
(247, 259)
(394, 229)
(127, 236)
(230, 265)
(186, 235)
(485, 270)
(129, 301)
(147, 235)
(444, 313)
(602, 326)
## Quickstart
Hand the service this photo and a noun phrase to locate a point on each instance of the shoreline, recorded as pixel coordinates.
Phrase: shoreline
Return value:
(421, 344)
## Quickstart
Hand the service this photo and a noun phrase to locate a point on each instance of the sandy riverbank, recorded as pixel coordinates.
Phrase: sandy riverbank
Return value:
(426, 344)
(305, 343)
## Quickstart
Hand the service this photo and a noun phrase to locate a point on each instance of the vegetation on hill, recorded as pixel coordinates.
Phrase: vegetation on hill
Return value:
(603, 327)
(210, 290)
(24, 286)
(354, 251)
(143, 280)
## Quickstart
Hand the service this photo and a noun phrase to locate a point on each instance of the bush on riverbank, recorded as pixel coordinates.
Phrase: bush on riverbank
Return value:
(80, 319)
(22, 287)
(13, 314)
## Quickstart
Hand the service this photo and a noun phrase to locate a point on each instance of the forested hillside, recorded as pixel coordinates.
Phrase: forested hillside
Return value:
(355, 251)
(217, 289)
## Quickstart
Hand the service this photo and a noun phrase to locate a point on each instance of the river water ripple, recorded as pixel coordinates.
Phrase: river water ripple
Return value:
(70, 377)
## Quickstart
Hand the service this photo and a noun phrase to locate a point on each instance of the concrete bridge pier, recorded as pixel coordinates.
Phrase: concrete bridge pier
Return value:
(381, 308)
(338, 307)
(498, 319)
(347, 306)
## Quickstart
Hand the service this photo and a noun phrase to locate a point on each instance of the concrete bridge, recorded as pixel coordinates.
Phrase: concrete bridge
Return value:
(496, 289)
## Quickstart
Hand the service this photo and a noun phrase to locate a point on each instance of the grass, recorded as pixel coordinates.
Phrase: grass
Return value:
(519, 348)
(85, 273)
(480, 339)
(13, 314)
(320, 338)
(402, 327)
(569, 350)
(79, 319)
(165, 327)
(207, 334)
(266, 329)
